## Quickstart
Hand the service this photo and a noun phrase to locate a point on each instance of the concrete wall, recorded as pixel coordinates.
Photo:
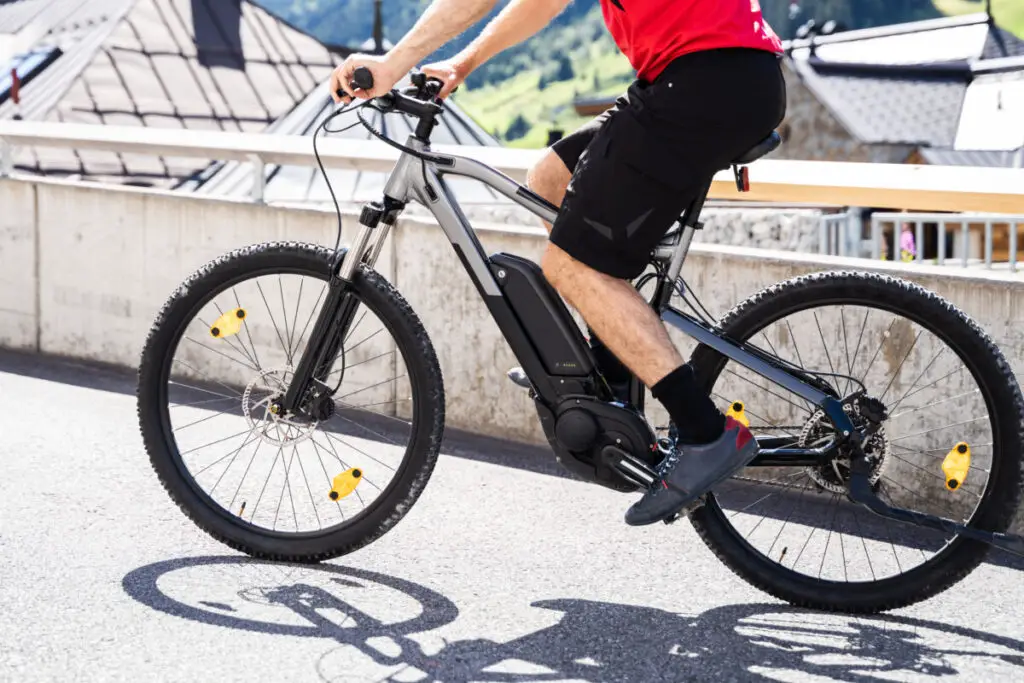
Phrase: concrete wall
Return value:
(19, 314)
(85, 269)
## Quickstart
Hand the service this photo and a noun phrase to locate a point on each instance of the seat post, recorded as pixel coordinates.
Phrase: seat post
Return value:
(691, 223)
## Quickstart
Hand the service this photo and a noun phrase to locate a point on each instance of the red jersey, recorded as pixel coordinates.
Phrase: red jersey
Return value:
(651, 33)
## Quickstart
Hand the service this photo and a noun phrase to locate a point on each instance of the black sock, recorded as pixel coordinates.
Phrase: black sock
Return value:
(694, 414)
(611, 367)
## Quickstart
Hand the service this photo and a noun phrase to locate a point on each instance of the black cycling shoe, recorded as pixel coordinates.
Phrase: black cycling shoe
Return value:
(690, 471)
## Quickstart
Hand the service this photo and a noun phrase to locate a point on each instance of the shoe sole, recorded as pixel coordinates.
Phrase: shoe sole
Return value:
(709, 487)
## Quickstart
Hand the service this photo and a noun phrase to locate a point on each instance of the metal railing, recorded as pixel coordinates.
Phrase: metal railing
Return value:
(839, 234)
(920, 222)
(919, 188)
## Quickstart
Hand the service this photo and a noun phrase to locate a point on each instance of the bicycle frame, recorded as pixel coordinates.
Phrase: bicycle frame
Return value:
(422, 180)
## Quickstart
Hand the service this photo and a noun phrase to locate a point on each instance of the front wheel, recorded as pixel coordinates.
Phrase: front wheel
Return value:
(221, 354)
(791, 531)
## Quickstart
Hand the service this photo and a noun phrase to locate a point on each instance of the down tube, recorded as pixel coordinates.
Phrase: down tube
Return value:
(702, 335)
(456, 227)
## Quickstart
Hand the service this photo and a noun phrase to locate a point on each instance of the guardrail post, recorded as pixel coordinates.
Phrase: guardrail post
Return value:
(259, 182)
(897, 255)
(965, 241)
(918, 240)
(988, 244)
(823, 235)
(6, 158)
(941, 260)
(876, 238)
(1013, 246)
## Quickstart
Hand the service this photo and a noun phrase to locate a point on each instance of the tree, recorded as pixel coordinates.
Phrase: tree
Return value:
(564, 72)
(518, 128)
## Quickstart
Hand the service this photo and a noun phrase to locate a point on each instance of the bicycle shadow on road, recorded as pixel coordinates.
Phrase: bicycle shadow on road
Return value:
(378, 622)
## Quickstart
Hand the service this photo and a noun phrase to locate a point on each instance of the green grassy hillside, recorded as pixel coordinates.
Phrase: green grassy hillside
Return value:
(1008, 13)
(497, 105)
(527, 90)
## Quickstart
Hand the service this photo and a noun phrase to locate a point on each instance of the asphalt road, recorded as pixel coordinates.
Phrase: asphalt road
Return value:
(503, 571)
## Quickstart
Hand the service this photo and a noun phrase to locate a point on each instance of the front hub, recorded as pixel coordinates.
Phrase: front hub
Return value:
(266, 417)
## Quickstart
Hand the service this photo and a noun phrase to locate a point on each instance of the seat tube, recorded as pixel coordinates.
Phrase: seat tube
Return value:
(690, 221)
(679, 255)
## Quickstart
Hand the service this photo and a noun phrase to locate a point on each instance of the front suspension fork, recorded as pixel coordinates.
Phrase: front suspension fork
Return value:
(332, 325)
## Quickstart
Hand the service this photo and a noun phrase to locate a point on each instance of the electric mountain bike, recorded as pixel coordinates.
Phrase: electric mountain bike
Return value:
(292, 404)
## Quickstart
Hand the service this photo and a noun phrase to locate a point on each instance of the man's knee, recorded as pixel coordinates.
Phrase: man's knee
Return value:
(549, 177)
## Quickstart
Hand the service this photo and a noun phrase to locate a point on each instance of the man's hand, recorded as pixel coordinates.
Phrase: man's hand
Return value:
(451, 72)
(385, 75)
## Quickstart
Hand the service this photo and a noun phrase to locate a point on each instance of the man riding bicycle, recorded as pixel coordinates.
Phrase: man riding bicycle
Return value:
(709, 87)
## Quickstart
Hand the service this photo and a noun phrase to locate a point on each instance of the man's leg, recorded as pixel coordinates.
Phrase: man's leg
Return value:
(620, 312)
(709, 447)
(549, 178)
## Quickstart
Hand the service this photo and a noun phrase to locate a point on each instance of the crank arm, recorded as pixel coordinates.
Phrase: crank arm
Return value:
(861, 492)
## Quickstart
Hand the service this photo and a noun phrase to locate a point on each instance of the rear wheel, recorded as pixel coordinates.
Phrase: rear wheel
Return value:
(792, 532)
(222, 352)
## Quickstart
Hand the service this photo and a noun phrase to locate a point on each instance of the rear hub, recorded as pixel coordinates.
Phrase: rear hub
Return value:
(866, 413)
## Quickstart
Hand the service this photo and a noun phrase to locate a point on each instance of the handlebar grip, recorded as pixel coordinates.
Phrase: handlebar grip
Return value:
(362, 79)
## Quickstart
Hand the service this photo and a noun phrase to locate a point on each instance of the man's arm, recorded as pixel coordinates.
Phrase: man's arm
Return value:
(443, 20)
(517, 22)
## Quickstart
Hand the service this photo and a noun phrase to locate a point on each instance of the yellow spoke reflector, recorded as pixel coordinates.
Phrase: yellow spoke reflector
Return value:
(956, 464)
(228, 324)
(345, 483)
(736, 412)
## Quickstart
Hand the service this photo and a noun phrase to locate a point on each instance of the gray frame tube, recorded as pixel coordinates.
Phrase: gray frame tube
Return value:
(702, 335)
(411, 178)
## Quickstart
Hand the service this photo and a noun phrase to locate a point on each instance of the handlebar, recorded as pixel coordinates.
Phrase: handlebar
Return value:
(419, 100)
(424, 88)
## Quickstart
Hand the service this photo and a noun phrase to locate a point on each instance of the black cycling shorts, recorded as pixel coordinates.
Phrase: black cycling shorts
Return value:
(637, 166)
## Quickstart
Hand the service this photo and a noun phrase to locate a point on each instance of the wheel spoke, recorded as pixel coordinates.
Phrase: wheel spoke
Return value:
(900, 366)
(284, 347)
(824, 346)
(255, 354)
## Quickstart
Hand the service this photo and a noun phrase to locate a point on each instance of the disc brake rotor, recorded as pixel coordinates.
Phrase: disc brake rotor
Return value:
(835, 475)
(270, 427)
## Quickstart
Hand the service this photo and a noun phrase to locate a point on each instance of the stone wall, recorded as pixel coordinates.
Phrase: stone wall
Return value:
(785, 229)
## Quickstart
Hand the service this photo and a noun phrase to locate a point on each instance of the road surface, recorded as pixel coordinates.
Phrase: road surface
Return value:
(503, 571)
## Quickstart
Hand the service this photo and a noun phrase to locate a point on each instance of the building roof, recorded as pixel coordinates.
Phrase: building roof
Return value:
(16, 14)
(952, 157)
(922, 83)
(203, 64)
(888, 107)
(194, 64)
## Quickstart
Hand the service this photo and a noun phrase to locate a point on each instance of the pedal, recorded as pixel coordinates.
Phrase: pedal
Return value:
(519, 378)
(630, 467)
(686, 510)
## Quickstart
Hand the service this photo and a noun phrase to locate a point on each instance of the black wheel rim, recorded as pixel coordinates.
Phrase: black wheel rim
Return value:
(325, 459)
